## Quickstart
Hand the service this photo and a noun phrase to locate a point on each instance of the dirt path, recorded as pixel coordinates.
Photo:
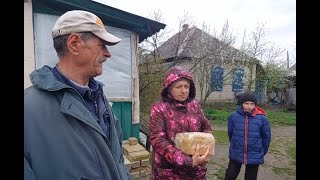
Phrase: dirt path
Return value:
(278, 164)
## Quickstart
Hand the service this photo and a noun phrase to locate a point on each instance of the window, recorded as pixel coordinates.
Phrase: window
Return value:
(237, 81)
(217, 79)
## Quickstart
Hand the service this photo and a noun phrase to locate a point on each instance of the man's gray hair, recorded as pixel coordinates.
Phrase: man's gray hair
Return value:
(60, 42)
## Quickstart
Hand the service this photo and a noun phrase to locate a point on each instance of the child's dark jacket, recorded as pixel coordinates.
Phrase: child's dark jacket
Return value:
(249, 136)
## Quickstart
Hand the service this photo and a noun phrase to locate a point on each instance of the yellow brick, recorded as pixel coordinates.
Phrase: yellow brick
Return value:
(135, 174)
(127, 148)
(127, 163)
(133, 140)
(135, 164)
(138, 155)
(145, 172)
(144, 162)
(139, 169)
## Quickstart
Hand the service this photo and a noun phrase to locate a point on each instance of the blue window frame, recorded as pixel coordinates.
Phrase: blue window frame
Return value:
(217, 79)
(237, 81)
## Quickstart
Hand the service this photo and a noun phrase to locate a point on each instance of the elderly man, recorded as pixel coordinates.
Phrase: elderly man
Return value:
(70, 131)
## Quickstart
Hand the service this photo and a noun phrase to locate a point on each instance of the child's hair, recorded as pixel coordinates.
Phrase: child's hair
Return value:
(247, 96)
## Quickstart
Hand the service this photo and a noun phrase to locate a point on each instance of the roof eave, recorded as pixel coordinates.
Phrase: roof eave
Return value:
(111, 16)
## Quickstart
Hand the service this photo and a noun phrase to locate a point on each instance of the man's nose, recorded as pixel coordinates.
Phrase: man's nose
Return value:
(106, 52)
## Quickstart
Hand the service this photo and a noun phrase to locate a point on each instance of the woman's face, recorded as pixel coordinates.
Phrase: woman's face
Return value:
(180, 90)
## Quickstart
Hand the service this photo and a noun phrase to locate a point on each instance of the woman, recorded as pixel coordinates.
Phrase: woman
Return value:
(177, 112)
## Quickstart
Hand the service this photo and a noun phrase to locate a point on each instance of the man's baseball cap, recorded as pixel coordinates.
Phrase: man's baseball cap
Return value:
(82, 21)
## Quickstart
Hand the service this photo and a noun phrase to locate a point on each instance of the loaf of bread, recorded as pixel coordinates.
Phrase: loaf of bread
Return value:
(188, 141)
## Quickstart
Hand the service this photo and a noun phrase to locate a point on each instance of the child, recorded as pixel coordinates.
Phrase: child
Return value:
(249, 135)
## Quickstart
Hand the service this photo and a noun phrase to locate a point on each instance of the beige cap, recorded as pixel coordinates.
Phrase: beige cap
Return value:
(82, 21)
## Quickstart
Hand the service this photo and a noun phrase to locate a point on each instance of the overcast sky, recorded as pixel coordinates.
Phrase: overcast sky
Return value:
(279, 16)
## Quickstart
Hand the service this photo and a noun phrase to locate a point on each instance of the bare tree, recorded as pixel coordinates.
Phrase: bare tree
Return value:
(253, 48)
(258, 51)
(151, 44)
(180, 40)
(274, 69)
(213, 50)
(219, 52)
(151, 71)
(204, 51)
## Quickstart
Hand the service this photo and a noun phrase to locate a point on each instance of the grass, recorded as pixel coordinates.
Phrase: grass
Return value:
(220, 173)
(285, 170)
(216, 114)
(219, 113)
(279, 117)
(292, 151)
(221, 136)
(281, 154)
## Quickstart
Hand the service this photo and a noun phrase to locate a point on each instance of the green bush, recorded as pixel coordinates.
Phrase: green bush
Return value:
(280, 117)
(219, 113)
(219, 117)
(215, 114)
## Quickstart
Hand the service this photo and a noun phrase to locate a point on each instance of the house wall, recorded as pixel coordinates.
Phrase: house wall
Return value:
(29, 64)
(226, 95)
(291, 96)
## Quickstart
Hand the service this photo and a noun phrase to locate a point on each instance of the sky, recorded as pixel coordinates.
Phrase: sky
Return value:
(279, 16)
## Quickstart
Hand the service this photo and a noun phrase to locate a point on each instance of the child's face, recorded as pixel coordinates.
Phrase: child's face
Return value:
(248, 106)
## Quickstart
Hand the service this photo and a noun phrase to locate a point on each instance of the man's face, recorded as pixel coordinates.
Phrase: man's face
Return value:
(248, 106)
(93, 53)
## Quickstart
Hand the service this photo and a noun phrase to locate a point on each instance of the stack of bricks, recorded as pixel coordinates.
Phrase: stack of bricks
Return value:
(136, 159)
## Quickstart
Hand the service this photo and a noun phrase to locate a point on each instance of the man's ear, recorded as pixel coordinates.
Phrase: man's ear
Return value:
(73, 43)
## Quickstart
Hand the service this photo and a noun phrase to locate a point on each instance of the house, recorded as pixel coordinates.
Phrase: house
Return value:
(120, 72)
(291, 91)
(223, 71)
(292, 70)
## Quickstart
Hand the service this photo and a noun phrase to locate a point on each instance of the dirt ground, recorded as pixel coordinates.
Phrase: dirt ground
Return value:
(278, 164)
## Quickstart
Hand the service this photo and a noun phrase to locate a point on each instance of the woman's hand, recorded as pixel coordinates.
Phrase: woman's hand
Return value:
(200, 160)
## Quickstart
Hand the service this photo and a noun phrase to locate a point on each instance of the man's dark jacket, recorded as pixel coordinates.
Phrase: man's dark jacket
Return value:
(62, 139)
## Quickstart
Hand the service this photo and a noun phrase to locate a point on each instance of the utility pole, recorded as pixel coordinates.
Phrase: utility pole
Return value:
(288, 61)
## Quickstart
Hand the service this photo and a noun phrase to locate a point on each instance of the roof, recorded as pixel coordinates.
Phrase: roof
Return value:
(293, 67)
(292, 70)
(109, 15)
(184, 44)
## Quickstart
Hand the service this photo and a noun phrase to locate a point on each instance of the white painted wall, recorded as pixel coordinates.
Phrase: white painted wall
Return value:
(29, 64)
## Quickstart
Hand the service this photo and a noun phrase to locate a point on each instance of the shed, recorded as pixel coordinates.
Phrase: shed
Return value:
(120, 72)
